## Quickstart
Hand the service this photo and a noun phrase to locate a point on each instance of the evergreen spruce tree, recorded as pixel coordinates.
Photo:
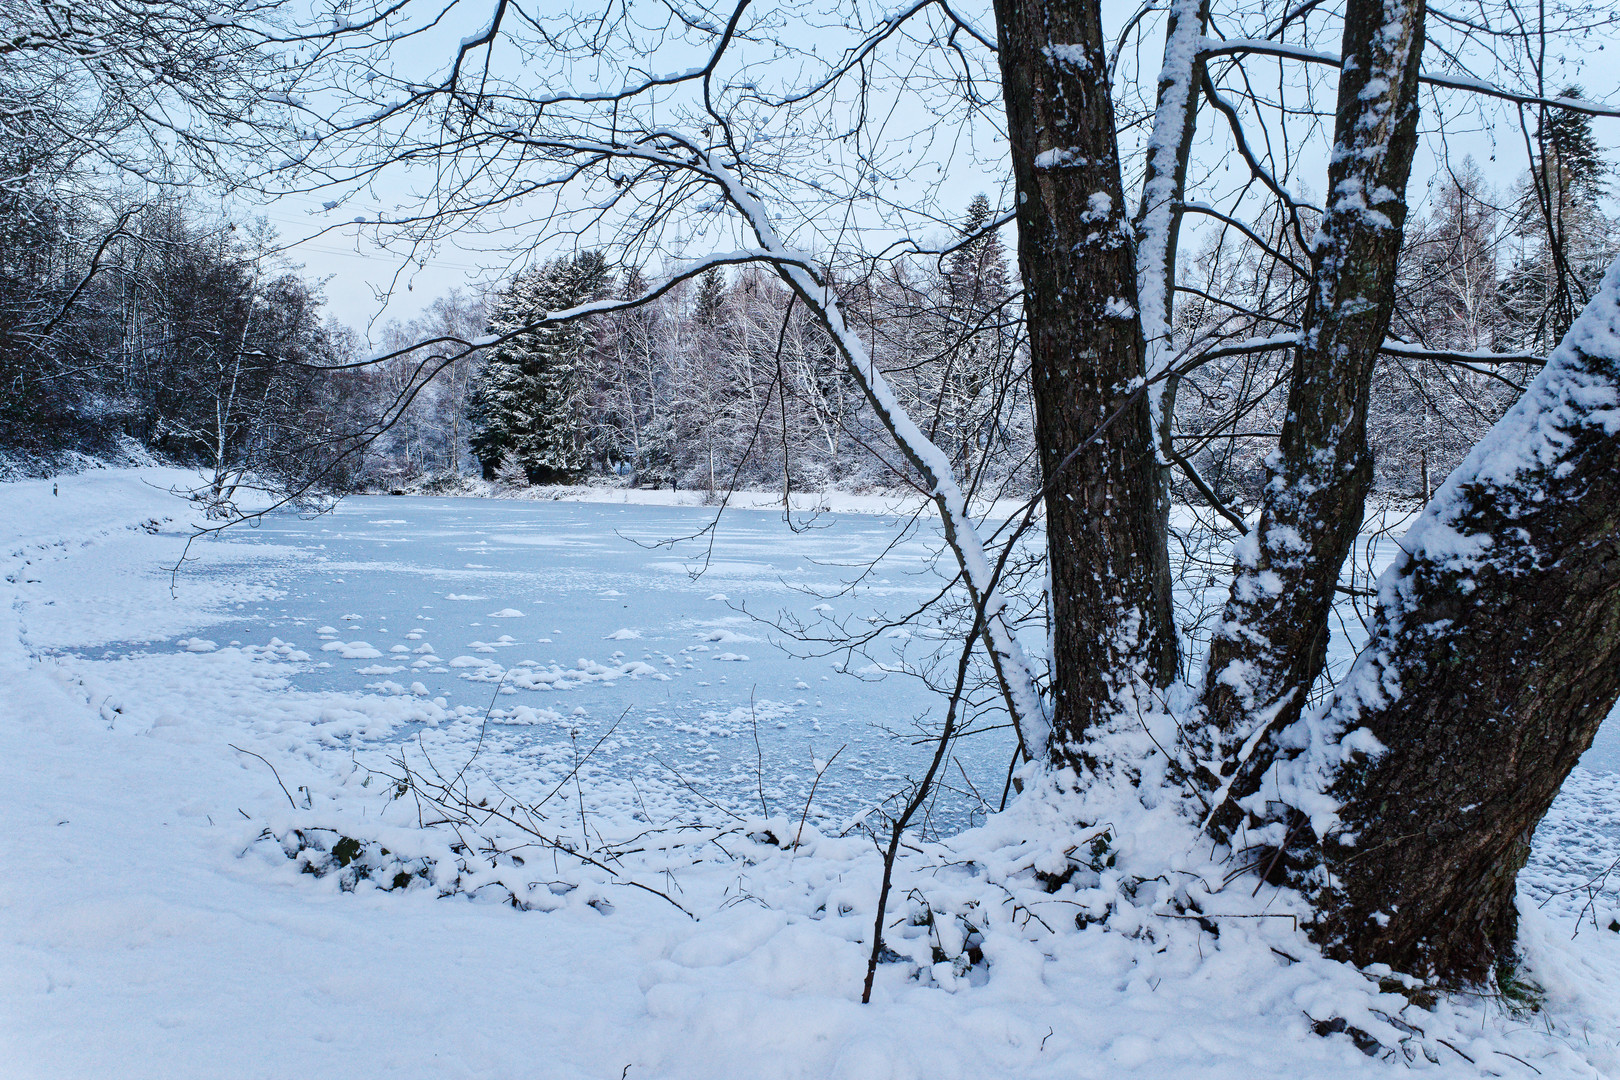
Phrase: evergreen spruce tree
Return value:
(655, 461)
(528, 406)
(975, 347)
(1565, 236)
(708, 309)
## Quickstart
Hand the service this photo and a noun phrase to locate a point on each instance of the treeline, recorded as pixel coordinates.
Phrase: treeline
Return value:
(187, 336)
(1487, 275)
(149, 324)
(724, 380)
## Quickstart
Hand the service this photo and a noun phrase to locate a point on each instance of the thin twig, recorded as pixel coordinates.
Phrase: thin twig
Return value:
(916, 800)
(273, 772)
(809, 798)
(759, 755)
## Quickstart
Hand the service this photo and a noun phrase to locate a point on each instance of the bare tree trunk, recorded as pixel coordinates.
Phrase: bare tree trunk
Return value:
(458, 395)
(1494, 657)
(1271, 643)
(1158, 217)
(1107, 544)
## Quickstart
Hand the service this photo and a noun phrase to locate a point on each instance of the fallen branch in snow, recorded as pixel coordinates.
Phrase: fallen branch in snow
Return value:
(458, 809)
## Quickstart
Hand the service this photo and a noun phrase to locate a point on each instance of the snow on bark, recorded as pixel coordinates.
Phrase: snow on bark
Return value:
(1163, 188)
(1495, 655)
(1115, 644)
(1516, 466)
(1271, 643)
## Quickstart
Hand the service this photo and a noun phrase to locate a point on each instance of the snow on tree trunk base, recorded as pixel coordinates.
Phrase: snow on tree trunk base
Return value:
(1113, 629)
(1494, 658)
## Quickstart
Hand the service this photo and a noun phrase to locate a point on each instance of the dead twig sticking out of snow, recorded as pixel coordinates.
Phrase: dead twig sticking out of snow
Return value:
(584, 829)
(687, 784)
(825, 765)
(272, 769)
(759, 755)
(458, 810)
(918, 797)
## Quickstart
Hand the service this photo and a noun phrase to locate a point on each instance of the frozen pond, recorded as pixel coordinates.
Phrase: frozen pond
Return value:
(564, 621)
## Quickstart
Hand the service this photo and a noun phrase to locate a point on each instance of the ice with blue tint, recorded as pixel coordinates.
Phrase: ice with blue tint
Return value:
(565, 618)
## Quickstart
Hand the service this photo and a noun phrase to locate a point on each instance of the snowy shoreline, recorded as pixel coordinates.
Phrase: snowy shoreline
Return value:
(149, 928)
(887, 503)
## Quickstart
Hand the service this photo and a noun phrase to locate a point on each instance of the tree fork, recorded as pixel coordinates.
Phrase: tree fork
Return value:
(1111, 612)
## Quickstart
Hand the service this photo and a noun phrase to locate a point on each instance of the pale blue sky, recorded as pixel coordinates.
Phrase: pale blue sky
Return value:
(359, 270)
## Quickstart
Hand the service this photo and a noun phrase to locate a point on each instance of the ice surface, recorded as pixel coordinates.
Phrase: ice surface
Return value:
(593, 565)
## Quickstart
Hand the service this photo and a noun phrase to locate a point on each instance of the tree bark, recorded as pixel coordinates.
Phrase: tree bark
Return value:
(1158, 216)
(1113, 629)
(1271, 643)
(1494, 657)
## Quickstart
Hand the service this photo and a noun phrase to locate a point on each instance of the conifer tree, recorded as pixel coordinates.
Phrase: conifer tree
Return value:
(976, 283)
(528, 406)
(1565, 234)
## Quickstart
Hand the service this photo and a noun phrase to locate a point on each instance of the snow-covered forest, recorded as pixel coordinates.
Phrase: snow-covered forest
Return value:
(721, 382)
(1032, 538)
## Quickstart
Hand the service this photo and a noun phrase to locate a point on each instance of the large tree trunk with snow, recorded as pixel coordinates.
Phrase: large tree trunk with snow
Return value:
(1113, 630)
(1272, 640)
(1494, 657)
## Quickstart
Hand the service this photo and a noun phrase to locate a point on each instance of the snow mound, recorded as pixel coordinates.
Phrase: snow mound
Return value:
(352, 650)
(727, 636)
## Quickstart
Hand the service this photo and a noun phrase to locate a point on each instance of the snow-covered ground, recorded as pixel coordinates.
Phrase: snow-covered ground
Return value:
(164, 742)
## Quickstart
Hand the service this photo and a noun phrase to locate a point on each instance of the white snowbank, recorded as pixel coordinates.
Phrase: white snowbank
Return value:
(149, 929)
